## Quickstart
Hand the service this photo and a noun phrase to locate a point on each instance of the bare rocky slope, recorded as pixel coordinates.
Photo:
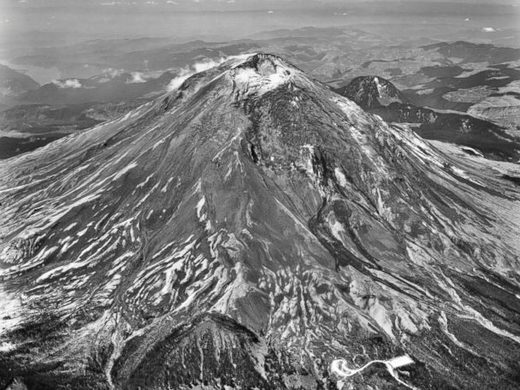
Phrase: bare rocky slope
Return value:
(243, 232)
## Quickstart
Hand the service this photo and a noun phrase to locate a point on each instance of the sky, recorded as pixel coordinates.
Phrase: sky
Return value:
(237, 4)
(41, 22)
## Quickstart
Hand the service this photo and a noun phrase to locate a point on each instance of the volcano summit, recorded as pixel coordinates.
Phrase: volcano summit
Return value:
(248, 230)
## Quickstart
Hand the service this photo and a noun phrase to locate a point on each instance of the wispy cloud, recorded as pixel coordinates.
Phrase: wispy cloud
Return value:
(69, 83)
(198, 67)
(137, 77)
(189, 71)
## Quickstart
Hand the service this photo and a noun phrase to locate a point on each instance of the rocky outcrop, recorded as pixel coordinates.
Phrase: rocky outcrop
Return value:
(372, 92)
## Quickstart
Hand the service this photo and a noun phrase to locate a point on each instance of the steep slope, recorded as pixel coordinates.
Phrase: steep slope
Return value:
(246, 231)
(372, 92)
(14, 83)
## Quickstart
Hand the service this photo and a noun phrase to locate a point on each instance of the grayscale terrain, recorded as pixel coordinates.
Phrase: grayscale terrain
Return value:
(259, 195)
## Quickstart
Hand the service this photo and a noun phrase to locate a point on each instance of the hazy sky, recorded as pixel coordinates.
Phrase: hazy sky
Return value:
(31, 27)
(215, 4)
(42, 22)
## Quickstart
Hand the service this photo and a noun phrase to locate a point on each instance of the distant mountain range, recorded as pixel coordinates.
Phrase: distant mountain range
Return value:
(13, 84)
(36, 115)
(477, 79)
(379, 96)
(99, 89)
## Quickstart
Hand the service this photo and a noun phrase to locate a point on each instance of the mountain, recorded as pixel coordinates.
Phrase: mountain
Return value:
(379, 96)
(123, 87)
(253, 229)
(14, 84)
(371, 92)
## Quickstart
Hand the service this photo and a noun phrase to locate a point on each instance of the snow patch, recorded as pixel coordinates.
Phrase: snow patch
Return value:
(7, 346)
(378, 85)
(262, 80)
(125, 170)
(340, 367)
(342, 180)
(70, 226)
(165, 188)
(10, 312)
(200, 205)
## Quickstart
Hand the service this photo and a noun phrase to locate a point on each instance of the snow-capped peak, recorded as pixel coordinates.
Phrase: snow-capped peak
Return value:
(261, 73)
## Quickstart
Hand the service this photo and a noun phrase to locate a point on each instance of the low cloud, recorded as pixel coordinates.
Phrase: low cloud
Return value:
(69, 83)
(137, 77)
(111, 72)
(184, 74)
(108, 74)
(198, 67)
